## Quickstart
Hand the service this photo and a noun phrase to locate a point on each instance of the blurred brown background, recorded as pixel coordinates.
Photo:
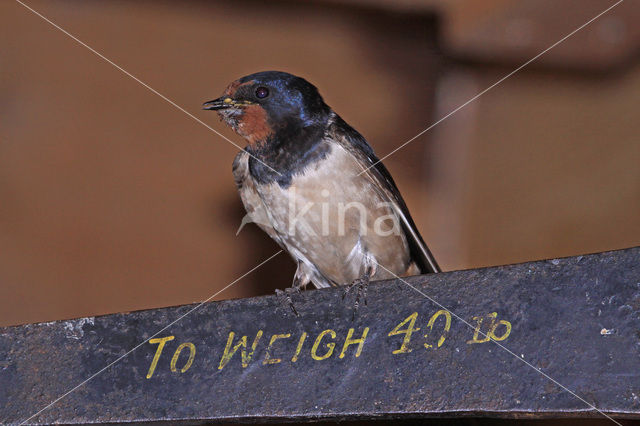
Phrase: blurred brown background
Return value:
(112, 200)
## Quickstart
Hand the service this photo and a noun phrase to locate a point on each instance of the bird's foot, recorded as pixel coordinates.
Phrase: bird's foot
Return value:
(285, 297)
(360, 285)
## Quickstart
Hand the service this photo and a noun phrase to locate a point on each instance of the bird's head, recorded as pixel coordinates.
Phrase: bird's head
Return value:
(267, 105)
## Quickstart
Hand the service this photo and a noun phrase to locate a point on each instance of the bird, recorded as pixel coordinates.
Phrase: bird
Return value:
(314, 185)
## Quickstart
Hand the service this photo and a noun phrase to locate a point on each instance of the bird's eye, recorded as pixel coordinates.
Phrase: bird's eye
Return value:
(262, 92)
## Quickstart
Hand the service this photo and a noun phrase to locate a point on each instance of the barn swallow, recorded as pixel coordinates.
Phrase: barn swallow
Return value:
(314, 185)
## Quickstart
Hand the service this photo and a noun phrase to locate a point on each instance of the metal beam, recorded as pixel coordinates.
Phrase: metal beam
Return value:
(507, 341)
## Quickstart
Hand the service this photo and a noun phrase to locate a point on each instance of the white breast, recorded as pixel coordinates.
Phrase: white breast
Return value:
(332, 219)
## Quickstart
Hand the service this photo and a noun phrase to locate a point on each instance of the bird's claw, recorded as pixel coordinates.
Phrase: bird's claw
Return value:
(360, 285)
(285, 297)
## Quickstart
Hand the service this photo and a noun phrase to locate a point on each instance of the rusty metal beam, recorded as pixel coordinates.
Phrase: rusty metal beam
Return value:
(577, 320)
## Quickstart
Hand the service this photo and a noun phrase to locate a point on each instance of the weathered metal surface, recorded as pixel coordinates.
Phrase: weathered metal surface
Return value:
(576, 319)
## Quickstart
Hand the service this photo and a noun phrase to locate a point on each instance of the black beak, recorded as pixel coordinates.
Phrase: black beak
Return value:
(220, 103)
